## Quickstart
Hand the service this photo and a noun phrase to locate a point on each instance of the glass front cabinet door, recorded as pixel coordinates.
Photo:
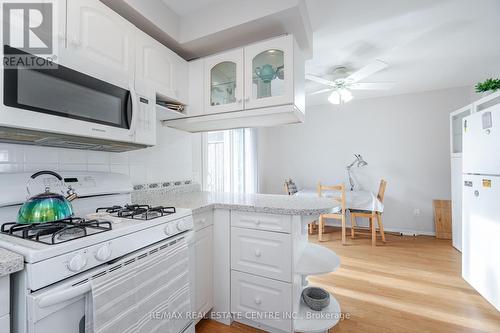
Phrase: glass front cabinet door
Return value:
(456, 129)
(224, 82)
(269, 73)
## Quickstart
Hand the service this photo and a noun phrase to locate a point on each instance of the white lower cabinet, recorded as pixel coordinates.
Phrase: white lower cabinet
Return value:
(261, 264)
(261, 302)
(203, 285)
(4, 304)
(262, 278)
(261, 221)
(262, 253)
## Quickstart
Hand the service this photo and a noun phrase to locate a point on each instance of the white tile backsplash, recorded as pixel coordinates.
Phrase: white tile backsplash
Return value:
(73, 167)
(98, 167)
(33, 167)
(11, 167)
(72, 156)
(138, 173)
(170, 159)
(11, 154)
(97, 157)
(120, 168)
(118, 158)
(35, 154)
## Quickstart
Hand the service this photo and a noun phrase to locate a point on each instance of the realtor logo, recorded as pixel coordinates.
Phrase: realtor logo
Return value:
(29, 32)
(29, 27)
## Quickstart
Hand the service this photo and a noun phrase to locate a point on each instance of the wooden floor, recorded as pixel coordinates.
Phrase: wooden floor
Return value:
(410, 284)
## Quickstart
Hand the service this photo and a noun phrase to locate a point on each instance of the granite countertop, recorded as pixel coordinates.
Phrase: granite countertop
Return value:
(10, 262)
(262, 203)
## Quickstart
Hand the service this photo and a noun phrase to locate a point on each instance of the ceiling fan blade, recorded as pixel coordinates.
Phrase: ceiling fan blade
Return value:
(366, 71)
(320, 91)
(319, 80)
(372, 86)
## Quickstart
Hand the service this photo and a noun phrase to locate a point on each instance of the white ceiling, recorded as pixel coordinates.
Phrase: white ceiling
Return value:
(183, 7)
(429, 44)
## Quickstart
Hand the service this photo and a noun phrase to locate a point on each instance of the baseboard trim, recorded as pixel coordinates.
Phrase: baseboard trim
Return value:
(395, 231)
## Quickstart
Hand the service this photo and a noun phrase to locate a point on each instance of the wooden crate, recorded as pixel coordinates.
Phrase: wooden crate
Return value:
(442, 218)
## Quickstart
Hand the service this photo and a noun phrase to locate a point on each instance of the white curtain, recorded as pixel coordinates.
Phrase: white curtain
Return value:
(230, 161)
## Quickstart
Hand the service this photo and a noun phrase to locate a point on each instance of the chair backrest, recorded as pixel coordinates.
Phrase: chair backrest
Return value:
(340, 198)
(381, 190)
(290, 187)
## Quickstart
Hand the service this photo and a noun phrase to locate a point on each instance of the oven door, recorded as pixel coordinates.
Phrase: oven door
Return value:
(66, 101)
(64, 306)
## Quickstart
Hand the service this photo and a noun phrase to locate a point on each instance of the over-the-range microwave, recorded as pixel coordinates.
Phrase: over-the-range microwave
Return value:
(63, 107)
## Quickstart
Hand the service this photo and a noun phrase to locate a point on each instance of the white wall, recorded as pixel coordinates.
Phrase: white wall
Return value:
(170, 159)
(404, 139)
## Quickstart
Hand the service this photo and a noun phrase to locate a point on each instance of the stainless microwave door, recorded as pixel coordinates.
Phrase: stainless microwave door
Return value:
(67, 93)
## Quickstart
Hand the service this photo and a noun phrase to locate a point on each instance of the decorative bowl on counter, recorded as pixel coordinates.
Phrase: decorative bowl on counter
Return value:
(316, 298)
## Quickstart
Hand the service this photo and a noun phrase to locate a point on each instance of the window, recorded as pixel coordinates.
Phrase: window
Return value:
(229, 163)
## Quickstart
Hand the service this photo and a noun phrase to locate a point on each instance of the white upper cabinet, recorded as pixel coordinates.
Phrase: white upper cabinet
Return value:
(100, 41)
(259, 85)
(163, 69)
(269, 73)
(223, 75)
(456, 129)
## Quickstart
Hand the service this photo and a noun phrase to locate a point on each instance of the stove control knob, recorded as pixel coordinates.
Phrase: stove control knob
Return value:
(77, 263)
(167, 231)
(181, 225)
(103, 253)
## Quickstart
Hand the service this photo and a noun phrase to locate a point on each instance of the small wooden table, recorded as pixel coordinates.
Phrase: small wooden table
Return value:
(359, 200)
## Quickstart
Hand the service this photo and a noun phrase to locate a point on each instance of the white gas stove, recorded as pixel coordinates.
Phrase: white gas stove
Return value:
(64, 254)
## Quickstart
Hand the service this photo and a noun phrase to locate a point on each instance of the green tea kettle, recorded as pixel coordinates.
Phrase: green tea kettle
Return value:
(47, 206)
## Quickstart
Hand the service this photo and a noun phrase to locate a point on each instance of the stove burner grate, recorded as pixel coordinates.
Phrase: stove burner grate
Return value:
(138, 212)
(56, 232)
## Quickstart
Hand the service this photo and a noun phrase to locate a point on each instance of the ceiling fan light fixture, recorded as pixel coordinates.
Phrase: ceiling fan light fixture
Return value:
(340, 96)
(334, 97)
(346, 95)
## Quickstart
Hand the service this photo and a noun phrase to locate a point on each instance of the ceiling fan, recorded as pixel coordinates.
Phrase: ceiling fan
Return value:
(341, 88)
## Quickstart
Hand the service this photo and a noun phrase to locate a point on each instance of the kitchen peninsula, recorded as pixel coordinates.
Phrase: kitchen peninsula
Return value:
(252, 257)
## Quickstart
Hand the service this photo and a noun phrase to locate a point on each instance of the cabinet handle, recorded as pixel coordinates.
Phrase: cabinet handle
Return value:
(239, 101)
(257, 300)
(258, 253)
(247, 99)
(257, 222)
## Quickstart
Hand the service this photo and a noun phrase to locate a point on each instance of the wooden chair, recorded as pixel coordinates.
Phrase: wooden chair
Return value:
(371, 215)
(338, 215)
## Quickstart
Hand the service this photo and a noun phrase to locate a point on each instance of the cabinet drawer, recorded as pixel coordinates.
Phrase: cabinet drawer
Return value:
(261, 221)
(251, 294)
(261, 253)
(203, 220)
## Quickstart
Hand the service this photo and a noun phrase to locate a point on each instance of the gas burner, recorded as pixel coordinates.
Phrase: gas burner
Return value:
(138, 212)
(70, 233)
(56, 232)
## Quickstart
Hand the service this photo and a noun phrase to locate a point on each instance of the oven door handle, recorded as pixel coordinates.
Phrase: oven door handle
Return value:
(63, 295)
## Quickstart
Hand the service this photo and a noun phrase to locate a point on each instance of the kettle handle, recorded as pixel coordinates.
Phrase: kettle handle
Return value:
(47, 172)
(44, 172)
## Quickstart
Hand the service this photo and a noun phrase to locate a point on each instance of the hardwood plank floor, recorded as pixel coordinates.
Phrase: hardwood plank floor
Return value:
(410, 284)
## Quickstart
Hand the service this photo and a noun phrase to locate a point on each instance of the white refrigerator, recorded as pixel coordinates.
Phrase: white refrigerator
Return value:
(481, 203)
